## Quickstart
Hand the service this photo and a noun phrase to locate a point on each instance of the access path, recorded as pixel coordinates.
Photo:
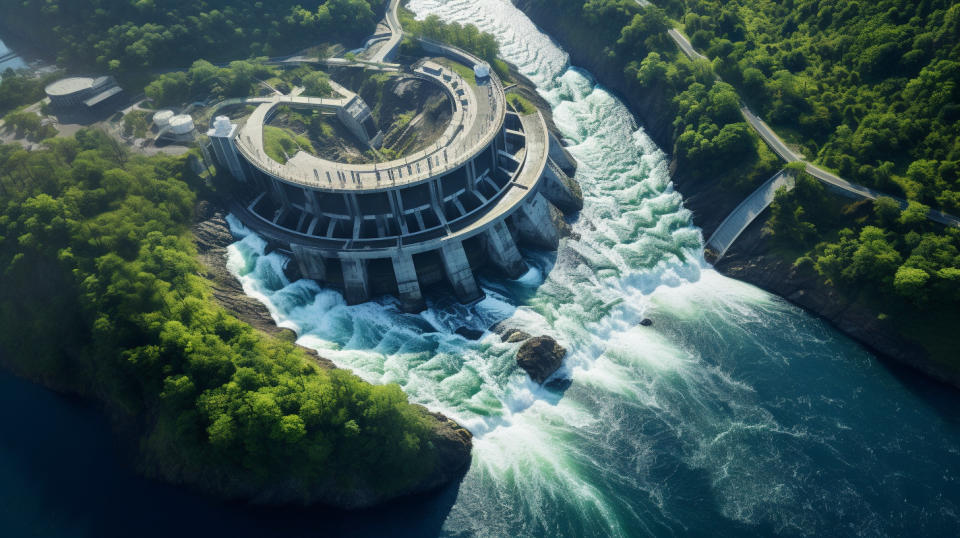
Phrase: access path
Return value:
(733, 227)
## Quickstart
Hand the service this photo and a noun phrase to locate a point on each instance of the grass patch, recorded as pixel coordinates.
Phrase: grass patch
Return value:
(502, 69)
(521, 104)
(280, 144)
(460, 69)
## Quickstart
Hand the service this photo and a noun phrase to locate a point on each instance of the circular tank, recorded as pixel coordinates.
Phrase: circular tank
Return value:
(481, 70)
(69, 86)
(162, 119)
(181, 124)
(222, 125)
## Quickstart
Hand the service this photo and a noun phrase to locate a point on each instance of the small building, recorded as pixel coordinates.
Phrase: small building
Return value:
(358, 118)
(433, 68)
(82, 94)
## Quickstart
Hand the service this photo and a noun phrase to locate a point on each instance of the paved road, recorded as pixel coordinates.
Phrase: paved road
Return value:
(766, 133)
(685, 45)
(386, 50)
(780, 147)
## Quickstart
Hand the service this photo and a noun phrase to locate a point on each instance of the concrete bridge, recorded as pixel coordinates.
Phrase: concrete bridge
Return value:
(745, 213)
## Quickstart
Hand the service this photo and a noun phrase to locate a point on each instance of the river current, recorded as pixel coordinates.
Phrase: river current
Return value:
(735, 413)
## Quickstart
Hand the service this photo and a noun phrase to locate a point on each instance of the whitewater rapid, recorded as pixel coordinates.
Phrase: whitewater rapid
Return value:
(663, 427)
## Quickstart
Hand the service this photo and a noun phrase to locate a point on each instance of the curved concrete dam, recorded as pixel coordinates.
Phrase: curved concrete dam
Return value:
(462, 203)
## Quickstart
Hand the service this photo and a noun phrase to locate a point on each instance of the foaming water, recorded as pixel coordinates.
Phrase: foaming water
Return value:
(734, 413)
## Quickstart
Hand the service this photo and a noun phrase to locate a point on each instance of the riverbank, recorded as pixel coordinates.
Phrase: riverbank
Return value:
(199, 398)
(752, 258)
(212, 236)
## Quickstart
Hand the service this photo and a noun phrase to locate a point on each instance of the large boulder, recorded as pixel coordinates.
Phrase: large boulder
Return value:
(540, 357)
(468, 333)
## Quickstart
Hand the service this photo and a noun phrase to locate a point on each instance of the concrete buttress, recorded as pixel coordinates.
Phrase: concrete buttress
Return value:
(459, 273)
(534, 225)
(503, 251)
(408, 286)
(356, 281)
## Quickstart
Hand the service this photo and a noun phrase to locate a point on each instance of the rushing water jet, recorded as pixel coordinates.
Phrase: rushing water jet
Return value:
(734, 413)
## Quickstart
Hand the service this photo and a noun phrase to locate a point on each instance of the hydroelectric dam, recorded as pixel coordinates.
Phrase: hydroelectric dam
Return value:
(437, 215)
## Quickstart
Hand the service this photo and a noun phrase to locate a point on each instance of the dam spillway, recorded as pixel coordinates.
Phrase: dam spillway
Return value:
(463, 202)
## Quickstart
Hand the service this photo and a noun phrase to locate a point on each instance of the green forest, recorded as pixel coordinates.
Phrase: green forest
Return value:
(125, 36)
(102, 294)
(870, 90)
(467, 37)
(19, 88)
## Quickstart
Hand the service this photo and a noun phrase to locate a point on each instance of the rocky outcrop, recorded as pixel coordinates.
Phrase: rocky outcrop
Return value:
(509, 334)
(468, 333)
(512, 336)
(752, 260)
(540, 357)
(212, 237)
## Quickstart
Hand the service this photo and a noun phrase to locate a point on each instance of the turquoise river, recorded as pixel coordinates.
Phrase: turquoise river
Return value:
(735, 414)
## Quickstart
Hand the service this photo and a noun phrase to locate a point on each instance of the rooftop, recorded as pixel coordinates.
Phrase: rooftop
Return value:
(70, 85)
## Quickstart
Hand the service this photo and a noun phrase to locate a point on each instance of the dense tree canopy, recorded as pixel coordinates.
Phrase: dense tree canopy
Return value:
(101, 291)
(204, 80)
(126, 36)
(871, 89)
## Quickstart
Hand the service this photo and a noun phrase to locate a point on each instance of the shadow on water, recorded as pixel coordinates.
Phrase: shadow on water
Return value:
(939, 396)
(62, 474)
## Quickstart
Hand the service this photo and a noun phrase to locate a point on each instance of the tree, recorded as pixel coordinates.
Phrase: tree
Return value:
(875, 258)
(886, 210)
(909, 282)
(915, 213)
(317, 84)
(652, 70)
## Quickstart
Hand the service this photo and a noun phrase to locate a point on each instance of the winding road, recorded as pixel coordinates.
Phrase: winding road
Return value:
(747, 211)
(386, 51)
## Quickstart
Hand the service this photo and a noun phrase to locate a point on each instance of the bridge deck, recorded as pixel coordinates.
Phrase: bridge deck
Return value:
(745, 213)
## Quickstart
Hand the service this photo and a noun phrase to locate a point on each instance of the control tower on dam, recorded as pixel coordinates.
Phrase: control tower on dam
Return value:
(460, 204)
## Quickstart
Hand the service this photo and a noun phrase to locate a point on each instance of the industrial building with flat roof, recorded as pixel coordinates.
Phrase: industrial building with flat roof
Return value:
(81, 94)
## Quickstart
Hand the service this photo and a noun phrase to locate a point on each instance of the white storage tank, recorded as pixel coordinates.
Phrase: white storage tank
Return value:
(181, 125)
(222, 126)
(162, 118)
(481, 70)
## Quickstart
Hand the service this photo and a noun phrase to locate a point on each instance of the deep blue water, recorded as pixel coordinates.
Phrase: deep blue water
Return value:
(735, 414)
